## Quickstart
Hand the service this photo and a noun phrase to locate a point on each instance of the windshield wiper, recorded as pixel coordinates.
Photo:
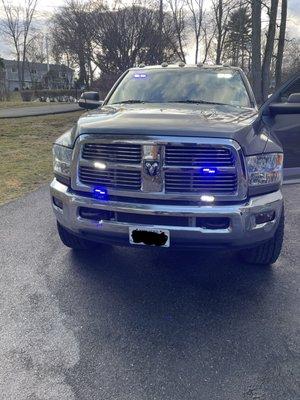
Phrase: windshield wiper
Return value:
(130, 101)
(196, 102)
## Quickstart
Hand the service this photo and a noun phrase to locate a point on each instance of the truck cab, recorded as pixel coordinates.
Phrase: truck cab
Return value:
(178, 156)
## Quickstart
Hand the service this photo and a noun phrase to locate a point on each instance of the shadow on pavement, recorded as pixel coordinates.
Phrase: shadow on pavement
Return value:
(155, 279)
(150, 316)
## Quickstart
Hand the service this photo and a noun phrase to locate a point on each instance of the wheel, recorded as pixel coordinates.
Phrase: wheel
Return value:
(73, 241)
(268, 252)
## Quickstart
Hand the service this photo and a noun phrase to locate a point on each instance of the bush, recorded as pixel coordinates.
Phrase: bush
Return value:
(27, 95)
(56, 93)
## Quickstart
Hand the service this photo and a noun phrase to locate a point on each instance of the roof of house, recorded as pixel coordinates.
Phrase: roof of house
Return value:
(38, 66)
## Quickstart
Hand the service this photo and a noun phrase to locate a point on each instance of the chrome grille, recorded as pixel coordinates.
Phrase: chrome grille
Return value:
(122, 153)
(111, 178)
(181, 162)
(191, 181)
(198, 155)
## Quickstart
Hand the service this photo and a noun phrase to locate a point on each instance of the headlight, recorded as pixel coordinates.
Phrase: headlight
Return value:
(62, 157)
(265, 169)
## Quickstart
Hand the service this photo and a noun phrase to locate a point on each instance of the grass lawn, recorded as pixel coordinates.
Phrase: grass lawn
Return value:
(26, 155)
(15, 101)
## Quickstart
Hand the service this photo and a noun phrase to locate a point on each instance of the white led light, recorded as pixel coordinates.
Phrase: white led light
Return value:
(224, 76)
(99, 165)
(207, 198)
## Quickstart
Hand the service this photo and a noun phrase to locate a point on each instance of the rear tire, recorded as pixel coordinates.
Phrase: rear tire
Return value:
(72, 241)
(268, 252)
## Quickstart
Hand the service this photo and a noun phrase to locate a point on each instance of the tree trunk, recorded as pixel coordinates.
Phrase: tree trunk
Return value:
(160, 29)
(269, 50)
(256, 50)
(281, 40)
(219, 18)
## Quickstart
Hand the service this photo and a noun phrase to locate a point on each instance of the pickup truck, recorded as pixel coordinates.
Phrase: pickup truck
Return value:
(179, 156)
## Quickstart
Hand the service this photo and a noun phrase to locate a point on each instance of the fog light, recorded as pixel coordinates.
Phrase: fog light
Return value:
(264, 217)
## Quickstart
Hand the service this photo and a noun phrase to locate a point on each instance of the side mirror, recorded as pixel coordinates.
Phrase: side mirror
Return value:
(290, 106)
(90, 100)
(294, 98)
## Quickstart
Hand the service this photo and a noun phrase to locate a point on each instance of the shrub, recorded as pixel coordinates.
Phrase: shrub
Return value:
(27, 95)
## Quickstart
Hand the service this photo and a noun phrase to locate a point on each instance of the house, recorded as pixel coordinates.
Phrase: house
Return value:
(38, 75)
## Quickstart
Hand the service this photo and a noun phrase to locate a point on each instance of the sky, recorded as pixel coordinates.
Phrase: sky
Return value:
(45, 9)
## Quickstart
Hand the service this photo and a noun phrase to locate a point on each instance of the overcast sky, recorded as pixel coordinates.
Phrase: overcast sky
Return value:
(45, 9)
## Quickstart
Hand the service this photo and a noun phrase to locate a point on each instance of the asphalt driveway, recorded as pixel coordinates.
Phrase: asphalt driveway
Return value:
(139, 324)
(47, 109)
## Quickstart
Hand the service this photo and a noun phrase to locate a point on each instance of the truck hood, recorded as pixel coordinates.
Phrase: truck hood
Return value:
(148, 120)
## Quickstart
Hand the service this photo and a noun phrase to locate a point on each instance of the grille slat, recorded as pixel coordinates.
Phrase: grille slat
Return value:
(113, 178)
(198, 155)
(191, 181)
(112, 152)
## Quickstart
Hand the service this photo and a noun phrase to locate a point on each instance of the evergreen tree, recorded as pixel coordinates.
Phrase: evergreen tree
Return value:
(238, 39)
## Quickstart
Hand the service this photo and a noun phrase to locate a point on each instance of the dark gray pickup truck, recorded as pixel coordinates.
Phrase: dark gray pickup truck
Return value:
(179, 156)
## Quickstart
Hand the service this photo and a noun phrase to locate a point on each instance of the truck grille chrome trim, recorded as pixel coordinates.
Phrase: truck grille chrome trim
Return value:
(191, 155)
(191, 181)
(113, 153)
(112, 178)
(159, 167)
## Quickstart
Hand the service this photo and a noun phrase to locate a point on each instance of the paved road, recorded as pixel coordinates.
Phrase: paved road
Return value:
(143, 325)
(59, 108)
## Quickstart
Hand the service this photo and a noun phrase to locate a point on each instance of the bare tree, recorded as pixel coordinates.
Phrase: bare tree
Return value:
(178, 13)
(221, 9)
(209, 30)
(196, 9)
(36, 49)
(269, 48)
(281, 43)
(73, 32)
(17, 26)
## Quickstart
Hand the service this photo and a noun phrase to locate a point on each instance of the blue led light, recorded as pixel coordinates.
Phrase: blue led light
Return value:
(208, 171)
(101, 193)
(140, 76)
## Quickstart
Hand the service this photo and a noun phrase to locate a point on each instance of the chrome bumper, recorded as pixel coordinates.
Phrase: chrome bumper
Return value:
(242, 232)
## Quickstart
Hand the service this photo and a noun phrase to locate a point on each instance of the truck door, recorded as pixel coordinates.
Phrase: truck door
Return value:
(283, 111)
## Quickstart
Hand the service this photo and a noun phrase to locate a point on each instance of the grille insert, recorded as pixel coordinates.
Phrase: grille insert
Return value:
(121, 153)
(198, 155)
(111, 178)
(192, 181)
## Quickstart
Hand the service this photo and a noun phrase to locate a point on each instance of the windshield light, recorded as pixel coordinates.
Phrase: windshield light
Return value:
(140, 76)
(226, 76)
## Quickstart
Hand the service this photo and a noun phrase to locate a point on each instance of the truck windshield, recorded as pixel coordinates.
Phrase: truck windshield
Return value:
(190, 85)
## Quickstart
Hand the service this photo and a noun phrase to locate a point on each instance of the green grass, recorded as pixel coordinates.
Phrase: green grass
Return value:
(26, 155)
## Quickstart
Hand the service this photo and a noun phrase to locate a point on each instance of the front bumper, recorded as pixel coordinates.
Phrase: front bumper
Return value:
(242, 231)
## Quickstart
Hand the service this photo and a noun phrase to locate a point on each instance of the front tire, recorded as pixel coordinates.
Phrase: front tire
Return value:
(73, 241)
(266, 253)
